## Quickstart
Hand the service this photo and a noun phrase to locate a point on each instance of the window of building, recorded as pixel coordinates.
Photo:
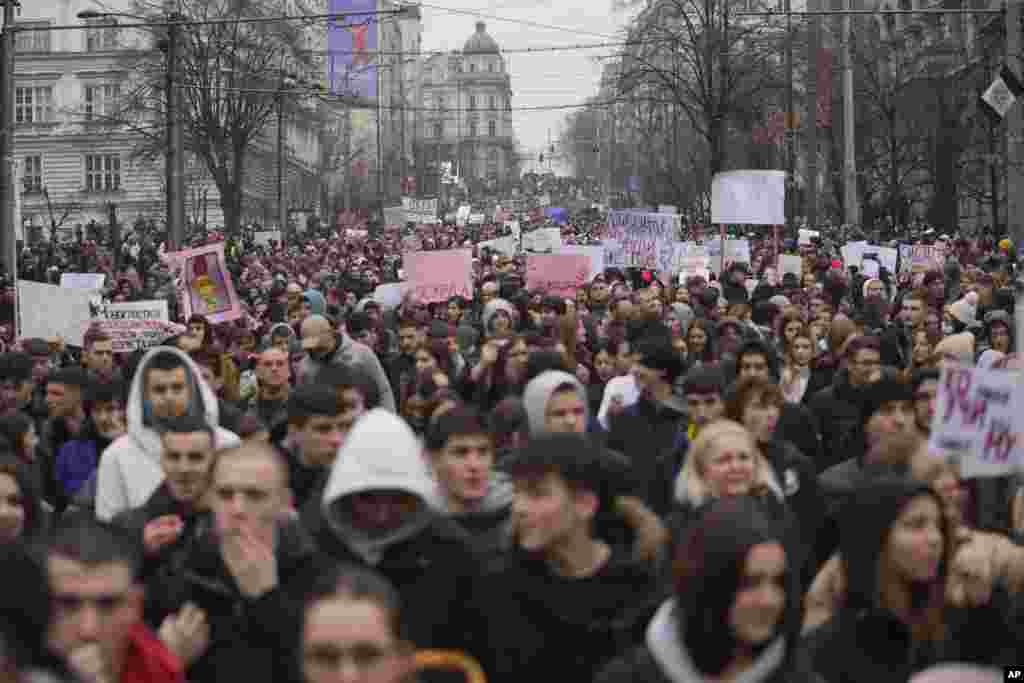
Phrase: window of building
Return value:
(492, 158)
(102, 34)
(490, 66)
(492, 102)
(101, 101)
(102, 172)
(32, 41)
(32, 174)
(492, 128)
(472, 102)
(472, 68)
(33, 104)
(472, 129)
(438, 130)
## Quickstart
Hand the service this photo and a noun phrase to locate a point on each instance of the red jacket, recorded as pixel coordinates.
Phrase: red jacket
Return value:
(148, 660)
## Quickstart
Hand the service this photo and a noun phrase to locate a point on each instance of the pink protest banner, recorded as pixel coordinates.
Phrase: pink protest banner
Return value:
(204, 284)
(438, 275)
(557, 274)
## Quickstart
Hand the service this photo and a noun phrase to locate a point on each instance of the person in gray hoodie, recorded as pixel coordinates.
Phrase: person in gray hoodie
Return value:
(382, 509)
(325, 346)
(476, 496)
(166, 384)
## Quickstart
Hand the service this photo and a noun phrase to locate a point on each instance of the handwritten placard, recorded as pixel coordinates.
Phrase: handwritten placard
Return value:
(419, 210)
(977, 420)
(135, 325)
(642, 240)
(439, 275)
(921, 257)
(557, 274)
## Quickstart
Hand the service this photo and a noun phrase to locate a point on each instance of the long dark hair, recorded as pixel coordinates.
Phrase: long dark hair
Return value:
(708, 571)
(35, 525)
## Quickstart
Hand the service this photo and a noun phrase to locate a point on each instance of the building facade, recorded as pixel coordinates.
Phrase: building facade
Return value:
(466, 118)
(79, 154)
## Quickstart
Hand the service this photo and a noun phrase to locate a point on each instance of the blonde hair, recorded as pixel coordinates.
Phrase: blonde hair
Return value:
(692, 488)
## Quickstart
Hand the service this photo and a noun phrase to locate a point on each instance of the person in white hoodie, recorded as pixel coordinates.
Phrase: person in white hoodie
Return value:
(166, 384)
(382, 509)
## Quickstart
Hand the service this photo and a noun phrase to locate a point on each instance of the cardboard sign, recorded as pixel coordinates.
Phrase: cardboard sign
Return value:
(557, 274)
(439, 275)
(978, 420)
(508, 246)
(921, 257)
(204, 283)
(135, 325)
(543, 240)
(419, 210)
(90, 281)
(789, 263)
(264, 237)
(749, 197)
(642, 240)
(805, 236)
(389, 295)
(48, 311)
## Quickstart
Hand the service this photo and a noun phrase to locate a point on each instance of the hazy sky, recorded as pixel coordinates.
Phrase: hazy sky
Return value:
(542, 79)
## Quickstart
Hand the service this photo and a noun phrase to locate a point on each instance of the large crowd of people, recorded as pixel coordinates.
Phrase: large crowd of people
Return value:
(661, 479)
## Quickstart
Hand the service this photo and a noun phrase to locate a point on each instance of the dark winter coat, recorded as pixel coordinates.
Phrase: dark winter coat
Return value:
(543, 627)
(251, 640)
(652, 436)
(837, 414)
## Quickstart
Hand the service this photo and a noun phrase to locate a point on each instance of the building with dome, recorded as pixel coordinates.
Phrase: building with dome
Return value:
(465, 128)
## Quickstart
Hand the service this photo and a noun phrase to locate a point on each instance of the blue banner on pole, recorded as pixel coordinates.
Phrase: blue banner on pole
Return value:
(352, 49)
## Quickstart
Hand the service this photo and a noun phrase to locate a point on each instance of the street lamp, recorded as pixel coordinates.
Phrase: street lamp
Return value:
(174, 156)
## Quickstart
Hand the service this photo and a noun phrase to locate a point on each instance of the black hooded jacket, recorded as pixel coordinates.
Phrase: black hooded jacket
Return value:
(866, 642)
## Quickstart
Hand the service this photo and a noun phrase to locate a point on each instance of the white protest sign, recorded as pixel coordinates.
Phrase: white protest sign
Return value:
(135, 325)
(515, 228)
(543, 240)
(921, 257)
(641, 240)
(48, 310)
(693, 261)
(264, 237)
(805, 236)
(886, 256)
(82, 280)
(853, 253)
(505, 245)
(749, 197)
(476, 218)
(789, 263)
(667, 208)
(594, 253)
(736, 251)
(419, 210)
(389, 295)
(870, 267)
(978, 420)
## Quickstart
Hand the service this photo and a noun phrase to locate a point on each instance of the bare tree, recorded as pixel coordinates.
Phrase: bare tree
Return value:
(232, 79)
(710, 65)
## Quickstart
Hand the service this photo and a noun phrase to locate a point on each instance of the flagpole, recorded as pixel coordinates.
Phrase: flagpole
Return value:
(380, 113)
